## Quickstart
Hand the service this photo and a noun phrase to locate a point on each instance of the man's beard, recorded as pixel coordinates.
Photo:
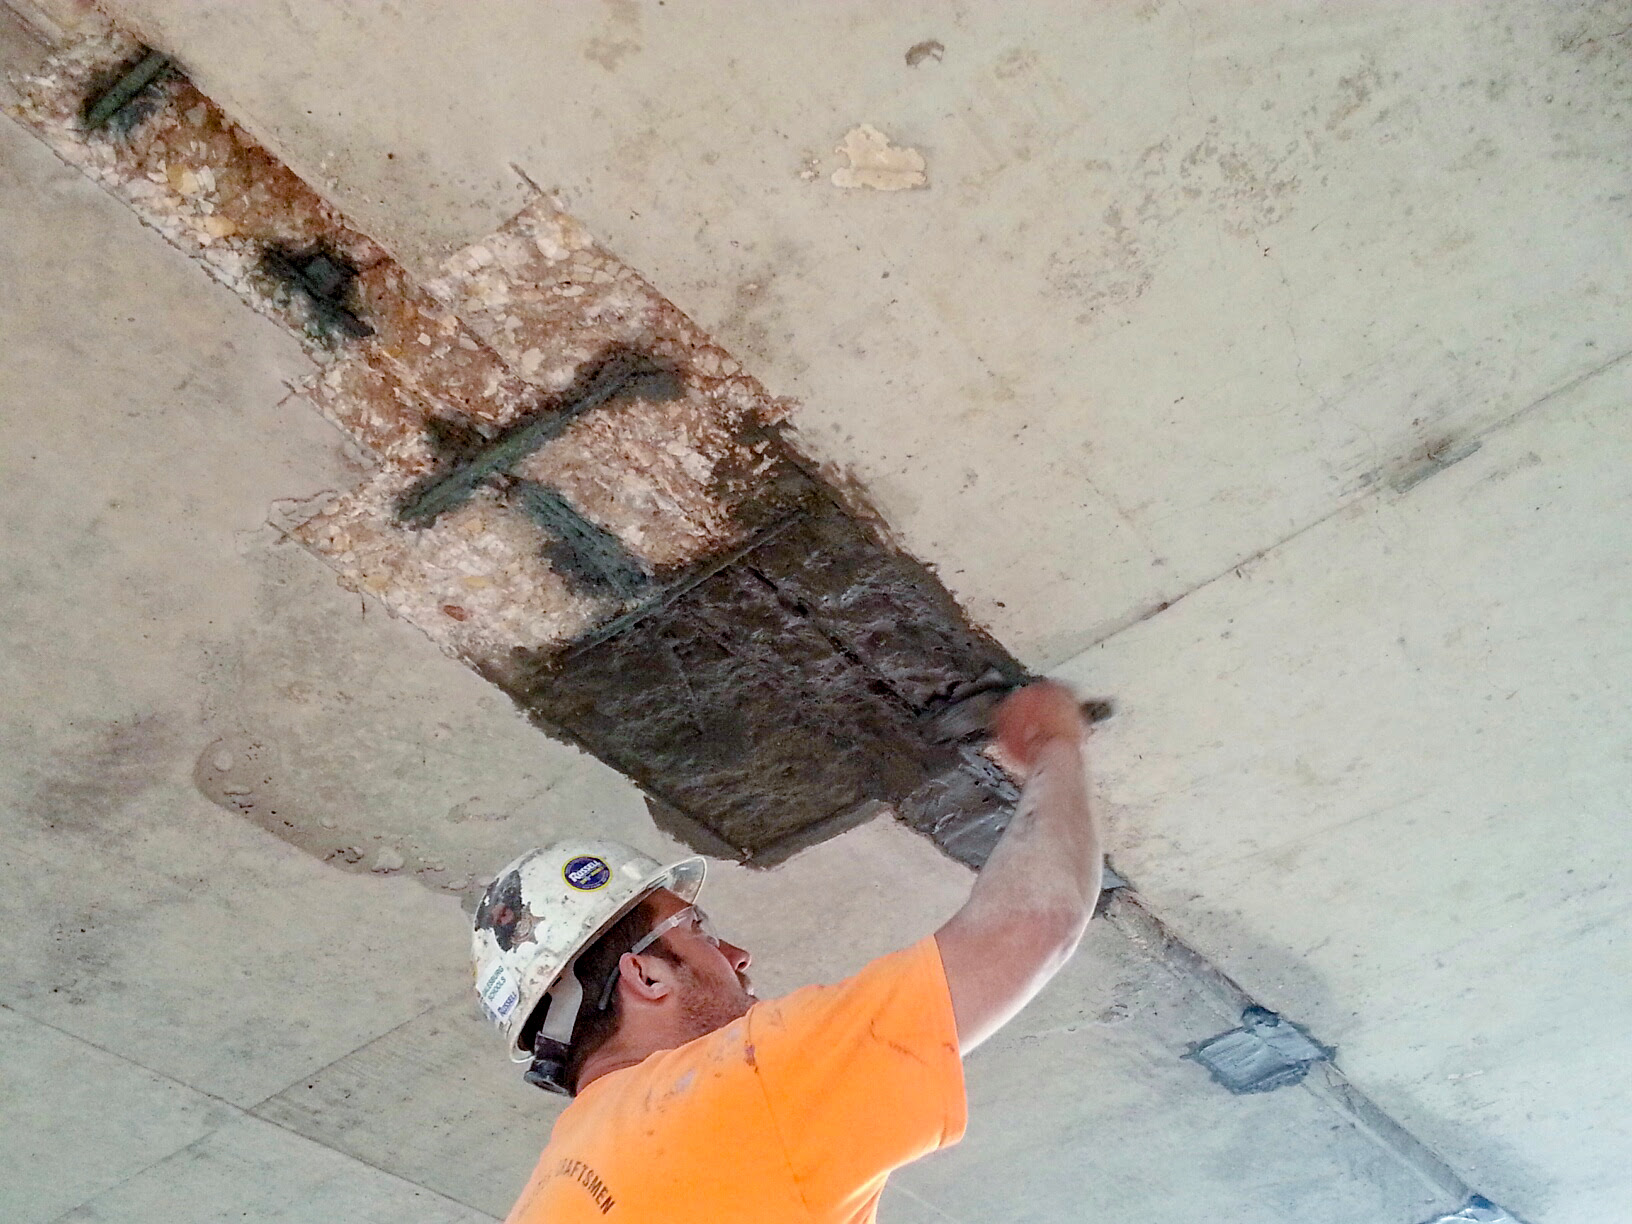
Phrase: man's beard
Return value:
(707, 1006)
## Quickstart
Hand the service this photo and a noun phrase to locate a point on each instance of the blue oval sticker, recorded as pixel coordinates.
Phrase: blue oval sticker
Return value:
(587, 873)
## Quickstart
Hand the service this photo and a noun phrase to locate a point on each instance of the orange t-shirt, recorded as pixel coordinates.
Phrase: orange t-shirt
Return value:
(795, 1112)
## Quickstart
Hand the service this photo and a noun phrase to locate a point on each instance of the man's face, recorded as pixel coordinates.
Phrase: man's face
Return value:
(714, 986)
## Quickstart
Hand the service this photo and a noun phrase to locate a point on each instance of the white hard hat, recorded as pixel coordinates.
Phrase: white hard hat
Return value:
(538, 915)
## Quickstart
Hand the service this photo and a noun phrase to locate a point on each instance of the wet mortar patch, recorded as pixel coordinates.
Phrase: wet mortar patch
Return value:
(783, 694)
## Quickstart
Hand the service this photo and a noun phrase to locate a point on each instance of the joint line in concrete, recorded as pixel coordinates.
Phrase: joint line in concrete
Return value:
(1129, 914)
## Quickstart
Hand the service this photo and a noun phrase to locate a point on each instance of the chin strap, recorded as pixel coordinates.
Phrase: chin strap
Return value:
(552, 1046)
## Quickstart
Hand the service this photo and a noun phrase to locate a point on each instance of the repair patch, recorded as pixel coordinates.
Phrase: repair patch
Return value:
(1265, 1053)
(576, 492)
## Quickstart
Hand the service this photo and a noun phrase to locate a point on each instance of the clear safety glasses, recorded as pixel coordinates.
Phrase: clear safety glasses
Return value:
(679, 918)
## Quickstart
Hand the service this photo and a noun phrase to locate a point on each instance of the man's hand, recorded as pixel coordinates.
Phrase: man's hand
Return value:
(1032, 901)
(1028, 718)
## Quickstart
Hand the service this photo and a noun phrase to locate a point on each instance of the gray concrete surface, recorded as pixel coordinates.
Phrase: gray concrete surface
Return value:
(1405, 828)
(1193, 290)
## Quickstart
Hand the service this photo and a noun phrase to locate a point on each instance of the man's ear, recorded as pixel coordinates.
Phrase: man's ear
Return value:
(648, 979)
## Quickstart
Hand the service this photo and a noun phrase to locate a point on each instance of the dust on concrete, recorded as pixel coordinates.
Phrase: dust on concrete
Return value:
(619, 38)
(1243, 184)
(115, 763)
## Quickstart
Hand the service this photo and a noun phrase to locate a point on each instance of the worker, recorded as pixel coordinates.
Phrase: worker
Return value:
(695, 1102)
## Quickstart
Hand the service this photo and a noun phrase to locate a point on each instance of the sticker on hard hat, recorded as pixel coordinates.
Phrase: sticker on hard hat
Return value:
(587, 873)
(500, 993)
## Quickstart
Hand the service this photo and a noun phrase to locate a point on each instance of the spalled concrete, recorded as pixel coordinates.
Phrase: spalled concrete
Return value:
(576, 492)
(1215, 270)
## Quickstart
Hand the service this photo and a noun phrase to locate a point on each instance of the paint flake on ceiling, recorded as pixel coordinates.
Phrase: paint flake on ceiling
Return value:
(878, 164)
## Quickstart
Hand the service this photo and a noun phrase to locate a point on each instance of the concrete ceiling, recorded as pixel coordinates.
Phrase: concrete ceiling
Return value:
(1262, 366)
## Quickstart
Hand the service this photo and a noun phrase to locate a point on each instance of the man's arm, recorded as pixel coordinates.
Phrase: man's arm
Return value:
(1033, 899)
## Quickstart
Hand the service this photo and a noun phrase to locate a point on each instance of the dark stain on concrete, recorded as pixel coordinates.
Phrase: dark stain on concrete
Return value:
(124, 94)
(1430, 459)
(323, 280)
(930, 48)
(114, 763)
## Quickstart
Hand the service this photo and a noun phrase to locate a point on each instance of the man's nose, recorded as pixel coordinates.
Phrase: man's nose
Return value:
(738, 958)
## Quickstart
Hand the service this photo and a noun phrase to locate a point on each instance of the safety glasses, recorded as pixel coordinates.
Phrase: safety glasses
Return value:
(679, 918)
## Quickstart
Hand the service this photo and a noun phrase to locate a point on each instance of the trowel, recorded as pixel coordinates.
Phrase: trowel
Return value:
(965, 718)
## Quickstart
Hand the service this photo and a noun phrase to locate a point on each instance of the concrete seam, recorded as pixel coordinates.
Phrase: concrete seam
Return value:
(1327, 1083)
(369, 1164)
(147, 1168)
(357, 1049)
(926, 1205)
(236, 1110)
(812, 618)
(287, 1130)
(31, 20)
(254, 1110)
(240, 1111)
(122, 1057)
(1468, 445)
